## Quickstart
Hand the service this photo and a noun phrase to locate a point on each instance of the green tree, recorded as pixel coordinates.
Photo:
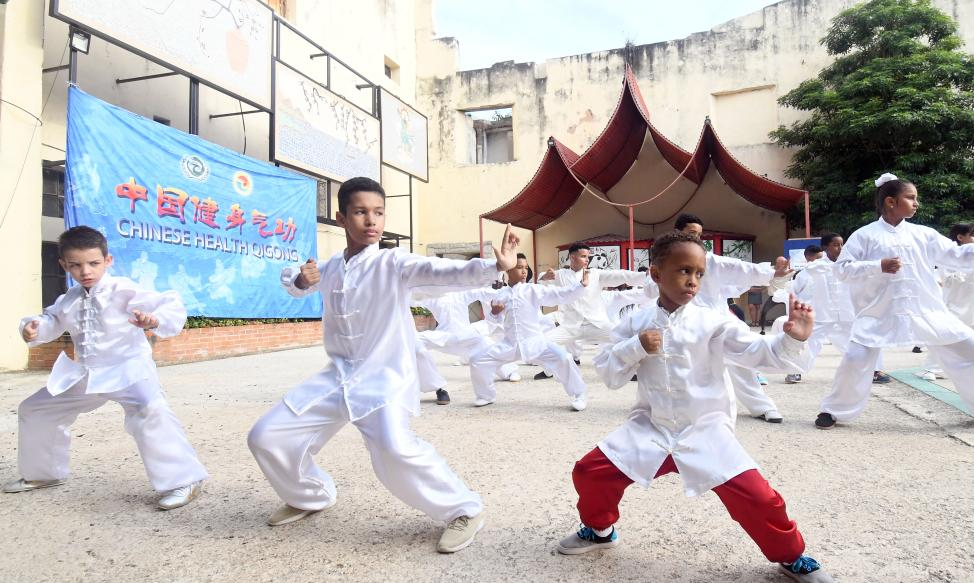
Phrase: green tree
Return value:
(899, 97)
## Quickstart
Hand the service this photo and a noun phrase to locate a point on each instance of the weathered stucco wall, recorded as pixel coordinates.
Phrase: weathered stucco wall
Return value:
(733, 73)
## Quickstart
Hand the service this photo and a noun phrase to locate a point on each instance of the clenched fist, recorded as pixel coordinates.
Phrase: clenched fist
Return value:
(309, 275)
(496, 308)
(891, 265)
(143, 320)
(652, 341)
(29, 334)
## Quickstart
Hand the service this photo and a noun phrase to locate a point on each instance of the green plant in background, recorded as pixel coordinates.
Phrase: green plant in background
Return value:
(420, 311)
(899, 98)
(205, 322)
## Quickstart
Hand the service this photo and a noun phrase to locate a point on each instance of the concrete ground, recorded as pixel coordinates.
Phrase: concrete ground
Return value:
(888, 498)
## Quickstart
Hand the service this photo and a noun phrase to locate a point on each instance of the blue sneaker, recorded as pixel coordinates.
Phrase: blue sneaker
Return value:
(806, 570)
(586, 540)
(762, 379)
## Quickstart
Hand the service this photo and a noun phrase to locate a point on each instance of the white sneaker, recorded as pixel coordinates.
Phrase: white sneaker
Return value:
(927, 375)
(514, 378)
(180, 496)
(482, 402)
(772, 416)
(579, 404)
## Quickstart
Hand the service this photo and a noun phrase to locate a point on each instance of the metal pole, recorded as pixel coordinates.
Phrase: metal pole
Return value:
(411, 214)
(534, 252)
(808, 213)
(481, 237)
(73, 66)
(194, 107)
(632, 240)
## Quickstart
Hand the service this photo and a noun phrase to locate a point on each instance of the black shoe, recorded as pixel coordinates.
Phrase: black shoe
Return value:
(541, 376)
(881, 378)
(917, 350)
(578, 362)
(442, 397)
(824, 421)
(634, 379)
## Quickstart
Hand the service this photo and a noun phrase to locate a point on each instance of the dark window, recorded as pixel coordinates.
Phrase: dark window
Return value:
(52, 201)
(53, 280)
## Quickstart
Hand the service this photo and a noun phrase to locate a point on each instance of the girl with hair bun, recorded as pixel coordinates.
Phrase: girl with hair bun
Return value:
(889, 266)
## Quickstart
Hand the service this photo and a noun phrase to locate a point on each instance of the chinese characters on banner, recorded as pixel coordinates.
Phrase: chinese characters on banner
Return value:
(184, 214)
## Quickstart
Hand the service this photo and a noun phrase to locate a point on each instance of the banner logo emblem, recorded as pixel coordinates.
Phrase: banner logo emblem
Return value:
(243, 183)
(194, 168)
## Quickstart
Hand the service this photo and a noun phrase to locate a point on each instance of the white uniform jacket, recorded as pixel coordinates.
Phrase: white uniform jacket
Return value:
(829, 296)
(684, 398)
(589, 307)
(107, 347)
(452, 313)
(958, 290)
(523, 325)
(906, 308)
(368, 329)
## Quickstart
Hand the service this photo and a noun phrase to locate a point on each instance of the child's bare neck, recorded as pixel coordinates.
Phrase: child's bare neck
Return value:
(892, 220)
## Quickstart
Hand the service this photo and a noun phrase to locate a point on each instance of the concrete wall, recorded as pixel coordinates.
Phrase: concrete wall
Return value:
(21, 56)
(733, 73)
(366, 34)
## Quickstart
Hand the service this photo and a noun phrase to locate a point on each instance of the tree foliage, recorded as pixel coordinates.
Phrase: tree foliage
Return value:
(899, 98)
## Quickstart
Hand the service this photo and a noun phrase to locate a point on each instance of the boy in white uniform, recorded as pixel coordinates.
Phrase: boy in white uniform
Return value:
(818, 285)
(524, 339)
(585, 320)
(889, 267)
(370, 379)
(454, 334)
(681, 421)
(106, 317)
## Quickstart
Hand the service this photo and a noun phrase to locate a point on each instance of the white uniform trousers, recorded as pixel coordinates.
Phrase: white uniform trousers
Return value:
(837, 333)
(284, 445)
(575, 338)
(554, 359)
(854, 377)
(748, 390)
(430, 378)
(45, 437)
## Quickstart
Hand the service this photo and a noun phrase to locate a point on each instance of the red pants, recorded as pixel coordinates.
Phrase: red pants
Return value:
(748, 497)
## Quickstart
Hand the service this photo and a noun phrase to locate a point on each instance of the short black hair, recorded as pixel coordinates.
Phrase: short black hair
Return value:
(81, 237)
(578, 247)
(828, 238)
(522, 256)
(642, 269)
(357, 184)
(662, 246)
(685, 219)
(890, 189)
(812, 250)
(960, 229)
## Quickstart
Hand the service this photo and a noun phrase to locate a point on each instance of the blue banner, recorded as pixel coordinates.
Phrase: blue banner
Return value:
(183, 214)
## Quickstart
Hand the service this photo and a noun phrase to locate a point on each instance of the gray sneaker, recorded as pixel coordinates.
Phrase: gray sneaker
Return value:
(23, 485)
(793, 378)
(586, 540)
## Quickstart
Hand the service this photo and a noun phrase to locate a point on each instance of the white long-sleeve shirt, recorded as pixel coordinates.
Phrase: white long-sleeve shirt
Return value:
(615, 301)
(958, 290)
(523, 325)
(452, 313)
(684, 399)
(905, 308)
(829, 296)
(369, 333)
(112, 352)
(589, 307)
